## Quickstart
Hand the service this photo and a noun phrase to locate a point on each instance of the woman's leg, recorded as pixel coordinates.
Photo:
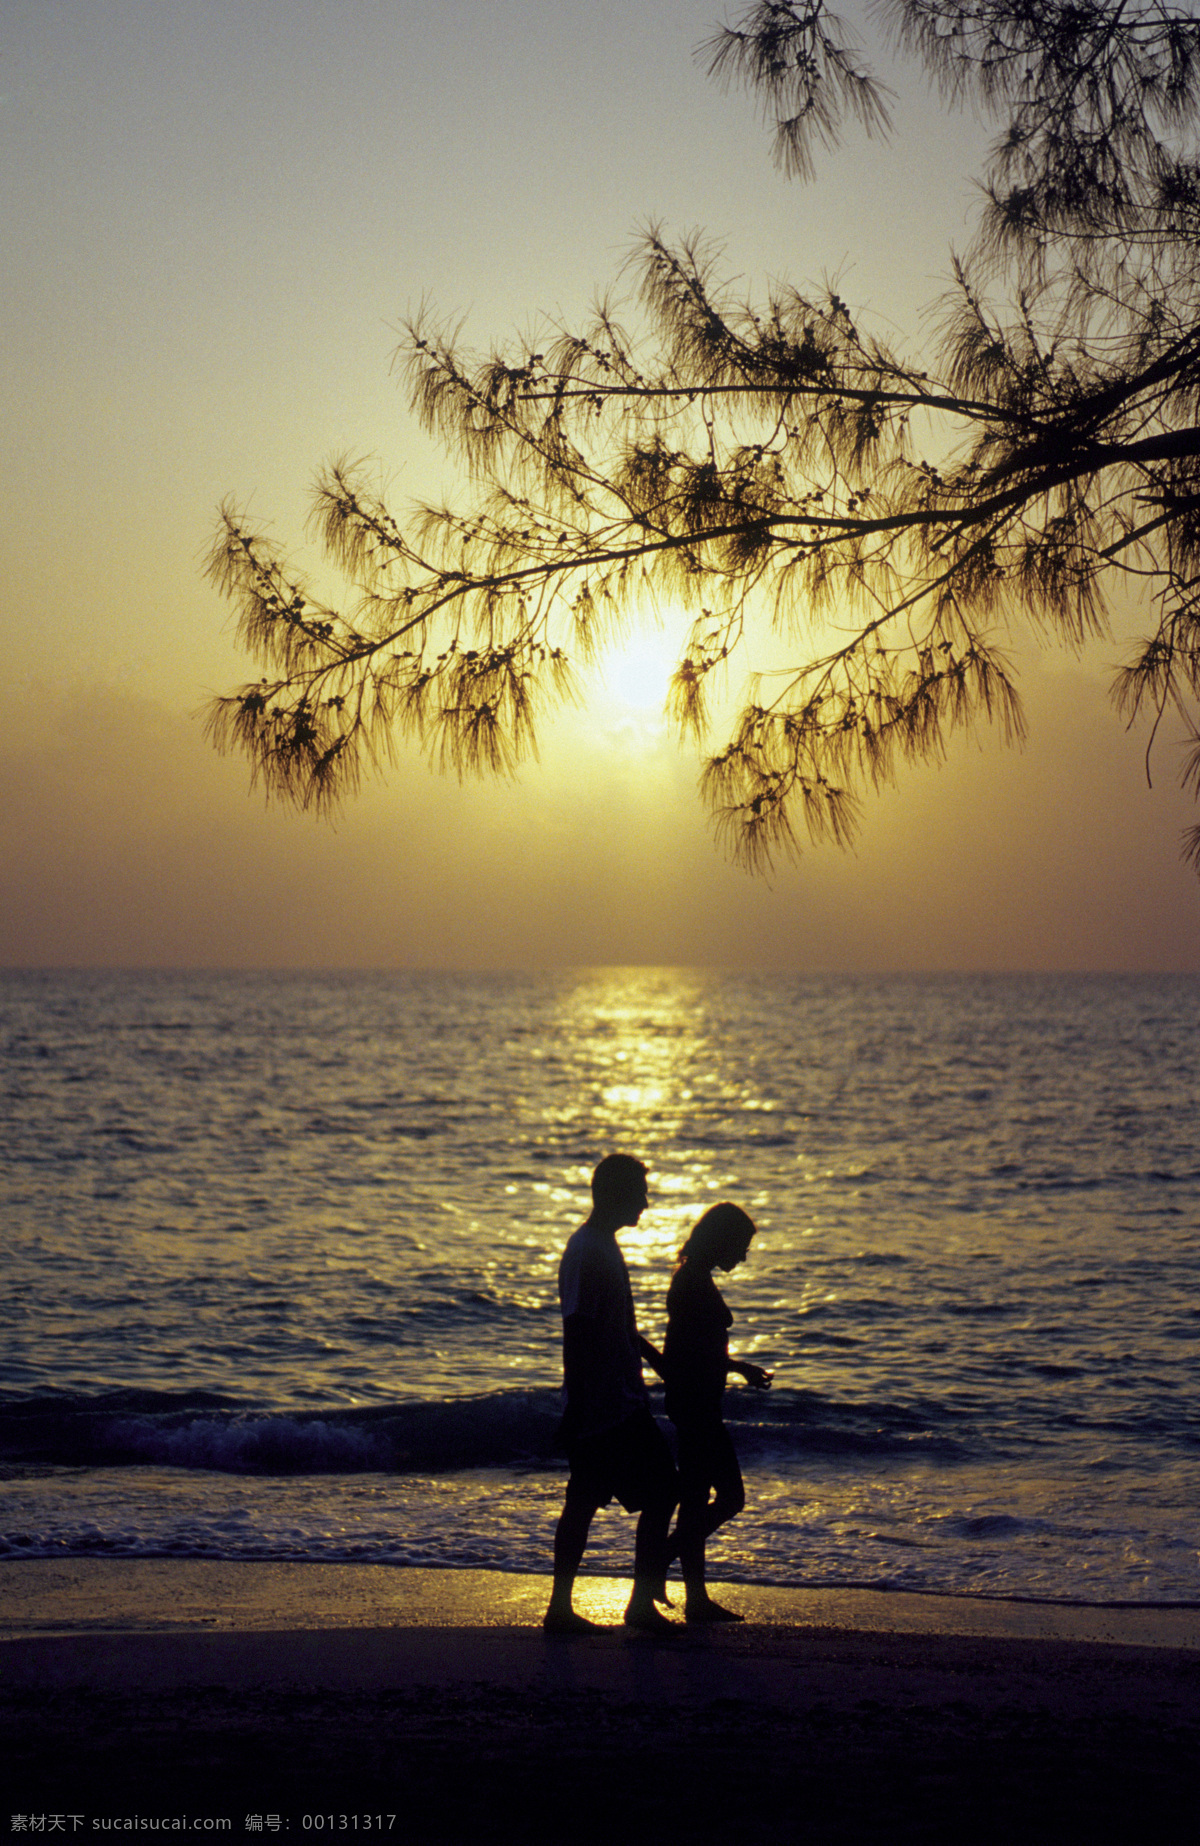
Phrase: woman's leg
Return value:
(707, 1460)
(726, 1477)
(691, 1528)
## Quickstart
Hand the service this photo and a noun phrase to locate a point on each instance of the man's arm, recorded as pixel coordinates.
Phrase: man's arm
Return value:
(579, 1348)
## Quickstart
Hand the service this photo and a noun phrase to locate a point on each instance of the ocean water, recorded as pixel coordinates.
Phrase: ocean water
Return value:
(280, 1250)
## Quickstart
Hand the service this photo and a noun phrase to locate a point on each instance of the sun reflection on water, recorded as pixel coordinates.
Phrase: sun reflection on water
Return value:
(648, 1073)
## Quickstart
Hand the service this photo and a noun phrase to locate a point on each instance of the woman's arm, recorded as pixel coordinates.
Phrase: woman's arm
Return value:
(652, 1356)
(753, 1374)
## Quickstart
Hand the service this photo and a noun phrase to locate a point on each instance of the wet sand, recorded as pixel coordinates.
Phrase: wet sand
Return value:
(134, 1691)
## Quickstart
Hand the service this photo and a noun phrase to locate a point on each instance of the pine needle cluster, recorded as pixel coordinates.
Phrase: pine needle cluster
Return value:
(772, 466)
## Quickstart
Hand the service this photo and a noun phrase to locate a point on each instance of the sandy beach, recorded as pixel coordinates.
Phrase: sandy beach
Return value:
(282, 1698)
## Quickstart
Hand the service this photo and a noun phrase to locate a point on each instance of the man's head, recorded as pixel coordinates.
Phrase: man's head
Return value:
(619, 1189)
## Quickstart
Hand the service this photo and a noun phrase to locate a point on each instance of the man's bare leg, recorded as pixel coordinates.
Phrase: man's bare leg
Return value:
(570, 1541)
(649, 1570)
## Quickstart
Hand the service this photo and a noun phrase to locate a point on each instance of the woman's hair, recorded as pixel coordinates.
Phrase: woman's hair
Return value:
(711, 1235)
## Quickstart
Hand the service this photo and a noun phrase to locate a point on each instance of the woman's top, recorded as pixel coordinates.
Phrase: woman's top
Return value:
(696, 1350)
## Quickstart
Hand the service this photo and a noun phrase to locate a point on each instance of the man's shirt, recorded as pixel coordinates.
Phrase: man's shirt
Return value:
(593, 1283)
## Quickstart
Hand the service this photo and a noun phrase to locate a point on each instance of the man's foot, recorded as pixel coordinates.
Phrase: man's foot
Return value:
(645, 1618)
(709, 1611)
(565, 1621)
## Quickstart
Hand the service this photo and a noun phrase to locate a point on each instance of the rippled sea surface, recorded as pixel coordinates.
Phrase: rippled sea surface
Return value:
(280, 1256)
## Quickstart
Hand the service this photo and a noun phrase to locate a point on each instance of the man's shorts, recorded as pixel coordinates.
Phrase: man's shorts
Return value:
(631, 1463)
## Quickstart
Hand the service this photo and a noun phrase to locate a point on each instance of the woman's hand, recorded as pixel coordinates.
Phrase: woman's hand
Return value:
(754, 1374)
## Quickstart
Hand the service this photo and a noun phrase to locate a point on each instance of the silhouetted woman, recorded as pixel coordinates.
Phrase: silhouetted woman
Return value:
(695, 1362)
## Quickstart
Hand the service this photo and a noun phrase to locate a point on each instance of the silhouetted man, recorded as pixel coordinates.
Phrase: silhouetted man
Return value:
(615, 1447)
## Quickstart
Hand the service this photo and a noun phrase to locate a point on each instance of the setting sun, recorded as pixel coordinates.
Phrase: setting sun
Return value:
(638, 674)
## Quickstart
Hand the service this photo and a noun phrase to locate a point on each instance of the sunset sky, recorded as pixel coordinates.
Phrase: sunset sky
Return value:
(214, 217)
